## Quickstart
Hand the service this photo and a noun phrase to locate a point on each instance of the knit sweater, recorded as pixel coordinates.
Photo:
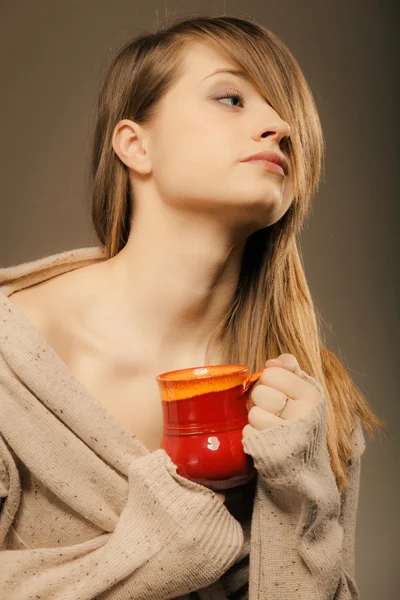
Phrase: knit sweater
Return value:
(88, 512)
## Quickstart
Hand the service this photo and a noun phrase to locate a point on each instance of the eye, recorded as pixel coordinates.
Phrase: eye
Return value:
(231, 95)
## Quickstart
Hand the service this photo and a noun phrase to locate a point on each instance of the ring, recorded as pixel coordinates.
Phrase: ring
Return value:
(282, 408)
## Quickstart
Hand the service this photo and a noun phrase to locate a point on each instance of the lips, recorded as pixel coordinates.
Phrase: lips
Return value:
(271, 157)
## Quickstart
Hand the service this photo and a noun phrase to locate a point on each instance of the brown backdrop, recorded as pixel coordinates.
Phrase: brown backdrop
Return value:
(52, 54)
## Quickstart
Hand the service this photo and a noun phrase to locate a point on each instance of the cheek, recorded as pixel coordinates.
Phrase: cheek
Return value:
(195, 137)
(193, 151)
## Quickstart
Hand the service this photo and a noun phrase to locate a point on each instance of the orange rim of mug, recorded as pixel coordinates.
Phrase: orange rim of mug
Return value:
(186, 383)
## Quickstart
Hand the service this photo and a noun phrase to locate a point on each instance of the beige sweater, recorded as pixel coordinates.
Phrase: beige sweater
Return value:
(87, 512)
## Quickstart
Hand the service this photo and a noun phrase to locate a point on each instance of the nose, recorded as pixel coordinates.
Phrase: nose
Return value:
(278, 131)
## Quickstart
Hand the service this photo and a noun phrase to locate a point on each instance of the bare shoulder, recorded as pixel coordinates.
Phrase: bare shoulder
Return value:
(33, 301)
(43, 302)
(53, 307)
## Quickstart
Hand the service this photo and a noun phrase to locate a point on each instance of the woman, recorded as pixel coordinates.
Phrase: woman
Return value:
(197, 264)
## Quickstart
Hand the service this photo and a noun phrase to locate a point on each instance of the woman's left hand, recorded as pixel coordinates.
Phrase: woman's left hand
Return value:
(275, 384)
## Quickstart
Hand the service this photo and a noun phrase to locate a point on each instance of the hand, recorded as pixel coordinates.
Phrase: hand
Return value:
(275, 384)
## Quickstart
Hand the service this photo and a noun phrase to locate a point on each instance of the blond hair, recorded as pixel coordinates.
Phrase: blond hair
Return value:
(273, 311)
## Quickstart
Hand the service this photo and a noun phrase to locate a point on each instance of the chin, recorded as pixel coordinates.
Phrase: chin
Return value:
(271, 205)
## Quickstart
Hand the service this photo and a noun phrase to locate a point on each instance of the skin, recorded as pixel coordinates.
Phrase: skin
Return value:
(195, 204)
(281, 379)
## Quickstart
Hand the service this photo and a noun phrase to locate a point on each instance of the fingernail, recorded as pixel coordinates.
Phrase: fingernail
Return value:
(275, 362)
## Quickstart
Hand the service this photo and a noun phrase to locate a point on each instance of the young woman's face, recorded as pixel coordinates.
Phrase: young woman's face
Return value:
(199, 139)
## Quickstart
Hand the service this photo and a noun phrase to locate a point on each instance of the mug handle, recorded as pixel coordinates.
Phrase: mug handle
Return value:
(251, 381)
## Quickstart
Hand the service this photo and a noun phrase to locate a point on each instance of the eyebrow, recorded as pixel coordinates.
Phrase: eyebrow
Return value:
(236, 72)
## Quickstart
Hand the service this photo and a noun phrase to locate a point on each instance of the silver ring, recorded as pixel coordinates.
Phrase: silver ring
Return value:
(282, 408)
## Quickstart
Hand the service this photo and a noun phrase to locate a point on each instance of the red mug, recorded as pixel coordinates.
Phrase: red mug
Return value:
(204, 412)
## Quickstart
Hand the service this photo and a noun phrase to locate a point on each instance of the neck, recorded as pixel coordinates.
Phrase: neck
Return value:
(170, 287)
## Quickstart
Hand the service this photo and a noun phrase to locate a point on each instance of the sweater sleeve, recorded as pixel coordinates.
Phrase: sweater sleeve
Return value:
(173, 536)
(304, 526)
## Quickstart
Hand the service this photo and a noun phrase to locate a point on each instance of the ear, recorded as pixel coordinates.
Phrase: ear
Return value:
(129, 141)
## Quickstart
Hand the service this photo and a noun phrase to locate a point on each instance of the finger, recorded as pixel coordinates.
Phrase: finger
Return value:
(221, 496)
(257, 396)
(248, 430)
(288, 362)
(267, 398)
(259, 420)
(270, 401)
(294, 387)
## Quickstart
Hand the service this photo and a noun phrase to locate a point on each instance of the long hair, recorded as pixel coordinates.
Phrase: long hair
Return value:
(273, 311)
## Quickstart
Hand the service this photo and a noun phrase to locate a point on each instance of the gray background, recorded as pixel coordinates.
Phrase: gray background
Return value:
(52, 56)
